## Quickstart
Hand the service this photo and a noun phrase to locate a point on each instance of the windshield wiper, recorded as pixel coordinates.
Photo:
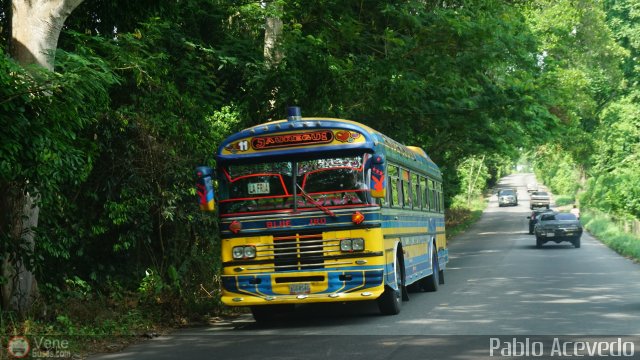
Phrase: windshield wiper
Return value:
(310, 199)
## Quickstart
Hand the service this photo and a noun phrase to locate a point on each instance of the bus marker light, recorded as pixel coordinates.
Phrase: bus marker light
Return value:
(235, 226)
(302, 297)
(270, 298)
(357, 218)
(366, 293)
(361, 262)
(334, 295)
(237, 299)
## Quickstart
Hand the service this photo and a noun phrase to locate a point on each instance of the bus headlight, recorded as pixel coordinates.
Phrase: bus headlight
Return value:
(357, 244)
(243, 252)
(249, 252)
(349, 245)
(345, 245)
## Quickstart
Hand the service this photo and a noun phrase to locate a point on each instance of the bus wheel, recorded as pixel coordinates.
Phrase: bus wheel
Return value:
(267, 313)
(431, 282)
(390, 301)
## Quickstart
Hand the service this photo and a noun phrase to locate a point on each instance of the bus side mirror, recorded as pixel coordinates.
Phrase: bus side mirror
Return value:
(204, 188)
(378, 180)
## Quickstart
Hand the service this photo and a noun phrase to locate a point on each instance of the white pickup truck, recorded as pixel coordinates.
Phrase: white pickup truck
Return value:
(540, 199)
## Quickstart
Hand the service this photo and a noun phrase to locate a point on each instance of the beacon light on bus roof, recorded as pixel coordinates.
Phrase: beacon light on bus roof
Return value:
(243, 252)
(351, 245)
(294, 113)
(235, 226)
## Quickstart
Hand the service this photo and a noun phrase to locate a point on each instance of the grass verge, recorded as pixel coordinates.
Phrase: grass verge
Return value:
(563, 200)
(460, 217)
(606, 230)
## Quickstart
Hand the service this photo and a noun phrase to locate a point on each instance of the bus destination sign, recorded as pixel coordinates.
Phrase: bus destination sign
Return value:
(292, 139)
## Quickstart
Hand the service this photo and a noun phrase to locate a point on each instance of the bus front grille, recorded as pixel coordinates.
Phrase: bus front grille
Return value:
(298, 252)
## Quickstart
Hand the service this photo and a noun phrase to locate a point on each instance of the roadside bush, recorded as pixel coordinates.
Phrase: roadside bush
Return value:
(604, 228)
(562, 200)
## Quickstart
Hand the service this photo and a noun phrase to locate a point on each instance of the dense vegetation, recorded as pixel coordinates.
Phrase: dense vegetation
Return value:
(144, 91)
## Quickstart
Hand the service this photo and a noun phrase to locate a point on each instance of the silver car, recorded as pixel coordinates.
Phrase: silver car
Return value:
(507, 197)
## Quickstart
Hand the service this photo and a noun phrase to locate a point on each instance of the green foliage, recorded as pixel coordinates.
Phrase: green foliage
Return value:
(562, 200)
(459, 219)
(557, 169)
(473, 175)
(139, 200)
(613, 186)
(43, 144)
(602, 226)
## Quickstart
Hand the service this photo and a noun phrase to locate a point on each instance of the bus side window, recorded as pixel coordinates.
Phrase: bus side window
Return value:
(436, 194)
(384, 202)
(423, 194)
(427, 199)
(432, 196)
(406, 188)
(415, 191)
(394, 180)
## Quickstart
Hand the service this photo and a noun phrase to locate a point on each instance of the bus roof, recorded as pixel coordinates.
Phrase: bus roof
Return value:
(308, 136)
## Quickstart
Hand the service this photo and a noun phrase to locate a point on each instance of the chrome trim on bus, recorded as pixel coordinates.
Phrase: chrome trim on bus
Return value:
(324, 242)
(347, 255)
(296, 253)
(296, 266)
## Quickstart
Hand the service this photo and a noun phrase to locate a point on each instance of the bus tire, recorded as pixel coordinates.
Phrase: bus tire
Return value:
(390, 302)
(431, 282)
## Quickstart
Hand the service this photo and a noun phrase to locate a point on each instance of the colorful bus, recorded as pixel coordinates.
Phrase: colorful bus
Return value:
(324, 210)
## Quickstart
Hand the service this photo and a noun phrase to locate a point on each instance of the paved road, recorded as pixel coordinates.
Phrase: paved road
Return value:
(497, 283)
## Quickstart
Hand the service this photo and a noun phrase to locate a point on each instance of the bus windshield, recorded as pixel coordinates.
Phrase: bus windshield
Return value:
(269, 186)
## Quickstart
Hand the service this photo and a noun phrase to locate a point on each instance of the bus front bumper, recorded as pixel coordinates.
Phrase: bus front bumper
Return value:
(302, 287)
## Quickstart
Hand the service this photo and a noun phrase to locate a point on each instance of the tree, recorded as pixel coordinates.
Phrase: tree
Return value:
(35, 29)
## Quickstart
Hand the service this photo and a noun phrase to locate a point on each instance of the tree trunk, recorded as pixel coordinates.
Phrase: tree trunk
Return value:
(21, 217)
(272, 55)
(35, 28)
(272, 33)
(473, 185)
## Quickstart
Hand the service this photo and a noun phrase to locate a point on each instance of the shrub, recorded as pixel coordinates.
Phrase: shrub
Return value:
(604, 228)
(562, 200)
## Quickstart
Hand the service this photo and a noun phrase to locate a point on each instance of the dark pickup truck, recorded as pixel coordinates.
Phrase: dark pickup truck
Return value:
(540, 199)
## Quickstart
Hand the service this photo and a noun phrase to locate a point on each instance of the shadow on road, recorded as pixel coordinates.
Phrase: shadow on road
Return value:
(550, 247)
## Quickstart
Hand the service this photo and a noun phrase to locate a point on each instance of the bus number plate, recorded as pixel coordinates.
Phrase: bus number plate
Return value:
(299, 289)
(259, 188)
(550, 234)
